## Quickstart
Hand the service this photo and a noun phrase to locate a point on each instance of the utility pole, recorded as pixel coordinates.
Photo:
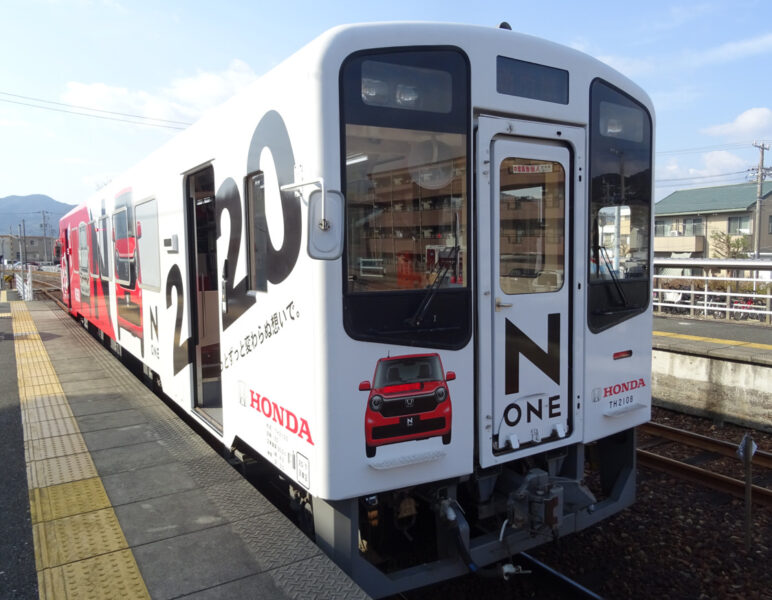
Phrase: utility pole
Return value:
(21, 247)
(757, 219)
(45, 236)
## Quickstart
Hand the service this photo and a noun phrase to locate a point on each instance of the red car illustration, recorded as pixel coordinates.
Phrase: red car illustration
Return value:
(408, 400)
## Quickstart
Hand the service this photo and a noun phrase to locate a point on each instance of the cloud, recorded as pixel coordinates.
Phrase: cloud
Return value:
(677, 98)
(714, 168)
(754, 123)
(15, 123)
(205, 90)
(719, 162)
(730, 52)
(183, 100)
(636, 66)
(631, 67)
(679, 15)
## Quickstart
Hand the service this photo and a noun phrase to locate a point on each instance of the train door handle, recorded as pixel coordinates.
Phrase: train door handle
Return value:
(500, 304)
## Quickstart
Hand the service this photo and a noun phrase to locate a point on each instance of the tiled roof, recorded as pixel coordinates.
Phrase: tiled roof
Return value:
(724, 198)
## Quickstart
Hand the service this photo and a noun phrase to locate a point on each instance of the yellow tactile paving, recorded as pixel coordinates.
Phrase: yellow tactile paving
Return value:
(4, 296)
(67, 499)
(62, 469)
(113, 575)
(697, 338)
(74, 538)
(47, 400)
(80, 549)
(44, 429)
(52, 447)
(38, 414)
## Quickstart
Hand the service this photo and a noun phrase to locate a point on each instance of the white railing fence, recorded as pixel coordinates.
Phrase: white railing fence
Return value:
(24, 284)
(738, 289)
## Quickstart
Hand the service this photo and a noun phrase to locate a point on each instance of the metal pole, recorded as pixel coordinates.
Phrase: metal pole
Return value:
(21, 248)
(45, 231)
(748, 460)
(757, 217)
(24, 232)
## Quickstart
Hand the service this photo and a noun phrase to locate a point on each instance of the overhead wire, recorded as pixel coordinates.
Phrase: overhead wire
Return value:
(110, 112)
(134, 119)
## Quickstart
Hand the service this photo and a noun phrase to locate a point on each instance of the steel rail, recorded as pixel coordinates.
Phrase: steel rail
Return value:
(55, 299)
(682, 470)
(760, 459)
(574, 588)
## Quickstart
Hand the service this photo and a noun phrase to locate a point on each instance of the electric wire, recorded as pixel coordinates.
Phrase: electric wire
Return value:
(82, 114)
(109, 112)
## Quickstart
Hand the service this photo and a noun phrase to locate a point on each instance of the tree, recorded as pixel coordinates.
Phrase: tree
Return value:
(728, 246)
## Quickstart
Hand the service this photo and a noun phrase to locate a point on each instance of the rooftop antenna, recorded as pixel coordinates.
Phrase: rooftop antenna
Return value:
(505, 25)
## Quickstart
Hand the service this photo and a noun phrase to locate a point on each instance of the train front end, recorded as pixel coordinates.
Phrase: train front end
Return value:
(497, 214)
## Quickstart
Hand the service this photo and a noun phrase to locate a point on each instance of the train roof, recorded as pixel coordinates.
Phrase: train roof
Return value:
(303, 69)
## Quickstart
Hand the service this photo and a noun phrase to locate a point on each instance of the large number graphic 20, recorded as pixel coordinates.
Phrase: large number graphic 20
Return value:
(271, 133)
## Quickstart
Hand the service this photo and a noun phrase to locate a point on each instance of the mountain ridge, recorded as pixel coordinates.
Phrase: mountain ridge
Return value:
(14, 209)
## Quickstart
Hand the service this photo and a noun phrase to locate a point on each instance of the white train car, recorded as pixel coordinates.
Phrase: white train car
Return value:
(411, 268)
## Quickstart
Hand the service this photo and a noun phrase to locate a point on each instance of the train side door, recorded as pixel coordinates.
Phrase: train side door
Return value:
(205, 307)
(524, 199)
(64, 269)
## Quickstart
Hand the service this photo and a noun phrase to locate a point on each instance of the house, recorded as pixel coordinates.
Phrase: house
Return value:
(685, 220)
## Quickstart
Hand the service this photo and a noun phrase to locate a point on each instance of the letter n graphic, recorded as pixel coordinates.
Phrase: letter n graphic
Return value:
(518, 343)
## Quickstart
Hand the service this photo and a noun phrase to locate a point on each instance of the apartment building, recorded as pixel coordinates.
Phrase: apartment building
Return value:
(685, 220)
(38, 249)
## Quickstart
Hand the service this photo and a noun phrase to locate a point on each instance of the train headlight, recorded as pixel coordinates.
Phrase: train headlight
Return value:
(440, 394)
(376, 403)
(375, 92)
(407, 95)
(392, 85)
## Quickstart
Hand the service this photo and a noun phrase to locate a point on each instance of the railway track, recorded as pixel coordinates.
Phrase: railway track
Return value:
(568, 587)
(703, 476)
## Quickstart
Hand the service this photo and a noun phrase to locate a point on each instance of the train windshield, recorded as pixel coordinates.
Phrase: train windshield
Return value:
(405, 141)
(397, 371)
(620, 207)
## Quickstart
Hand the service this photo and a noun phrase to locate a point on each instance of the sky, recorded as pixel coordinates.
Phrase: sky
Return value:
(144, 69)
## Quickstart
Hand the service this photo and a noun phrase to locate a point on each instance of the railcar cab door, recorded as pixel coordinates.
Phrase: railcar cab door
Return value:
(525, 199)
(205, 307)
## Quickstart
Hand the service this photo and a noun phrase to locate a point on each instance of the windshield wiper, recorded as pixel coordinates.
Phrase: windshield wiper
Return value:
(442, 271)
(614, 278)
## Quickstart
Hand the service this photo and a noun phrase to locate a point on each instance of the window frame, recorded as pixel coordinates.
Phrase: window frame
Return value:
(454, 305)
(611, 301)
(738, 219)
(691, 223)
(123, 282)
(105, 224)
(157, 254)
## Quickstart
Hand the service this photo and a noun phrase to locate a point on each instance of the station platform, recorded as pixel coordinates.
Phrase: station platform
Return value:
(742, 342)
(720, 370)
(121, 498)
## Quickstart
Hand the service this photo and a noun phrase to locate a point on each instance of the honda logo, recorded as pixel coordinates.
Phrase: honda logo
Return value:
(409, 402)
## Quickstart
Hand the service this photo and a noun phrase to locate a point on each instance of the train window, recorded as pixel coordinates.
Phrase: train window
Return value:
(103, 237)
(82, 250)
(94, 250)
(531, 80)
(124, 247)
(620, 207)
(531, 235)
(405, 171)
(148, 246)
(257, 231)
